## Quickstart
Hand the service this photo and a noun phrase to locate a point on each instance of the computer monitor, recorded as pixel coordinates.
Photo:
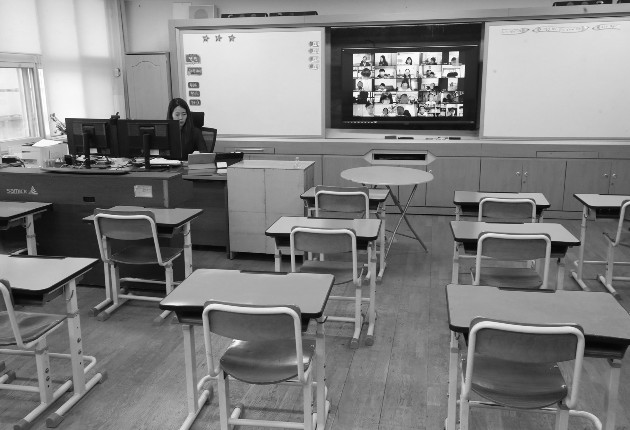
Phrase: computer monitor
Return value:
(90, 136)
(150, 138)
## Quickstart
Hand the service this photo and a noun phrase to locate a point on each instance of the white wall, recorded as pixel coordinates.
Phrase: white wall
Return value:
(147, 20)
(19, 32)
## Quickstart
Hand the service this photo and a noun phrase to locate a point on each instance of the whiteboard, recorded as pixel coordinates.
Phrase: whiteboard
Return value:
(262, 82)
(557, 79)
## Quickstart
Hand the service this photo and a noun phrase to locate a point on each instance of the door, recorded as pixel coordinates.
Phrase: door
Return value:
(148, 85)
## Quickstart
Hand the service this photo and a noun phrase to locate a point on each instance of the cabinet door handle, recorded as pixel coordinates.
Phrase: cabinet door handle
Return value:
(605, 175)
(518, 173)
(431, 171)
(614, 176)
(525, 174)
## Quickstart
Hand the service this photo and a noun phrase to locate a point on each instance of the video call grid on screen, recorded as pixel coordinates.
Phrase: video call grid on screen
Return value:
(408, 83)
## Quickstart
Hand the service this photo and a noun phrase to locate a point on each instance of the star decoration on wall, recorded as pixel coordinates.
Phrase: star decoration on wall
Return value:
(205, 38)
(232, 37)
(218, 38)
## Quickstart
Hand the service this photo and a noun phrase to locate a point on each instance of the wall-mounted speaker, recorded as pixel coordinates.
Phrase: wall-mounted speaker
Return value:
(202, 11)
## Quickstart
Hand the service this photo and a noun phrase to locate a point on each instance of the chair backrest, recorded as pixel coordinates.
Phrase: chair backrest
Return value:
(353, 201)
(125, 225)
(252, 323)
(513, 247)
(197, 119)
(210, 137)
(324, 241)
(526, 343)
(7, 301)
(624, 215)
(507, 209)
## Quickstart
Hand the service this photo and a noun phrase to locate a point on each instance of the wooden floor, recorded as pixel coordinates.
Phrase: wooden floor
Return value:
(398, 383)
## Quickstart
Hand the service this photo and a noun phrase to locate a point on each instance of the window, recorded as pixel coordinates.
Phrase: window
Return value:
(21, 98)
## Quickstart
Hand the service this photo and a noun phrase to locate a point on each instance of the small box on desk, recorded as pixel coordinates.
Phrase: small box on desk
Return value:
(37, 154)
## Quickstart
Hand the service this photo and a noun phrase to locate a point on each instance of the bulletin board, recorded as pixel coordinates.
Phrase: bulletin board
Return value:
(562, 78)
(261, 82)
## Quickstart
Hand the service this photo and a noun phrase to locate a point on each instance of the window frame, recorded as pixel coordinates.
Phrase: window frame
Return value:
(34, 95)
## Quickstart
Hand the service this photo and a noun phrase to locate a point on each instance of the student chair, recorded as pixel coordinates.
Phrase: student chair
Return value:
(344, 202)
(493, 209)
(130, 227)
(620, 239)
(515, 366)
(26, 333)
(341, 202)
(512, 247)
(267, 348)
(336, 241)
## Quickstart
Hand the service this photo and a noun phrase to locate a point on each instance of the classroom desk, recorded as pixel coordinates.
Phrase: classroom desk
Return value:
(605, 322)
(35, 280)
(366, 230)
(62, 231)
(605, 206)
(467, 202)
(309, 292)
(390, 176)
(22, 213)
(377, 198)
(467, 233)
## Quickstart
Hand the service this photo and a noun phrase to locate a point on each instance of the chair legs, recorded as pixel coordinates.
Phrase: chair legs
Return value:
(113, 294)
(608, 278)
(232, 417)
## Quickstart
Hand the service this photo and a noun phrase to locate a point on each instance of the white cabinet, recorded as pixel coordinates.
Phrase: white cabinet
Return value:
(260, 192)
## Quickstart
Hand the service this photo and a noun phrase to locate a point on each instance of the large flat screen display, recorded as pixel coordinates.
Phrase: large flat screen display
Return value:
(417, 77)
(412, 86)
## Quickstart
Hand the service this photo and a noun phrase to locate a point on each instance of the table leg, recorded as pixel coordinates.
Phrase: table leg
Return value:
(451, 417)
(195, 400)
(612, 395)
(403, 215)
(31, 241)
(79, 385)
(188, 263)
(369, 338)
(277, 256)
(560, 281)
(455, 270)
(381, 214)
(323, 406)
(580, 262)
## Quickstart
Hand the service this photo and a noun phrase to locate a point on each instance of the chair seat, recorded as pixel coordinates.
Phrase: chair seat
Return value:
(341, 270)
(31, 326)
(518, 385)
(265, 362)
(144, 255)
(509, 277)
